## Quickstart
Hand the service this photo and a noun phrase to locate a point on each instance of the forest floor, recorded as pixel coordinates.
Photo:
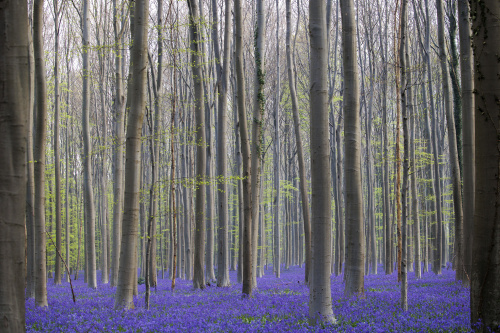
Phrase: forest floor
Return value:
(435, 304)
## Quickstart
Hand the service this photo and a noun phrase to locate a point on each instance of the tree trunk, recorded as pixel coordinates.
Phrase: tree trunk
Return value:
(354, 270)
(201, 157)
(30, 184)
(39, 156)
(118, 121)
(14, 110)
(57, 165)
(90, 254)
(245, 153)
(485, 280)
(222, 188)
(468, 131)
(276, 155)
(298, 141)
(452, 144)
(257, 129)
(127, 276)
(405, 100)
(320, 298)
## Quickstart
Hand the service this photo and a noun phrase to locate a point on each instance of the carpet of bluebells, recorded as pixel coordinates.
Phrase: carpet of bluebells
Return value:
(435, 304)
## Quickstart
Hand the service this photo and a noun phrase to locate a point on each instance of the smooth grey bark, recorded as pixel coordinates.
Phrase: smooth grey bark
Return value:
(413, 170)
(320, 299)
(452, 144)
(257, 129)
(201, 154)
(354, 269)
(222, 188)
(39, 156)
(298, 142)
(246, 220)
(118, 123)
(57, 146)
(90, 253)
(276, 156)
(127, 274)
(485, 279)
(30, 183)
(437, 260)
(14, 110)
(467, 80)
(388, 233)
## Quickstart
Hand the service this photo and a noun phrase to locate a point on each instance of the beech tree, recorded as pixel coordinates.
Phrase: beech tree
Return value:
(14, 109)
(320, 298)
(137, 100)
(485, 279)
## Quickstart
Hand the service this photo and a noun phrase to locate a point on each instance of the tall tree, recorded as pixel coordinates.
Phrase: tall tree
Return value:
(276, 155)
(298, 142)
(118, 122)
(246, 219)
(39, 156)
(467, 81)
(257, 129)
(354, 269)
(57, 165)
(485, 280)
(452, 144)
(14, 109)
(405, 100)
(90, 254)
(201, 154)
(137, 100)
(320, 298)
(222, 84)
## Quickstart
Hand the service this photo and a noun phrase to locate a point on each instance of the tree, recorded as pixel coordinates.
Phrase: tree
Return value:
(90, 255)
(485, 279)
(137, 101)
(39, 155)
(201, 154)
(257, 129)
(298, 142)
(14, 109)
(245, 154)
(354, 269)
(320, 301)
(222, 88)
(468, 129)
(57, 166)
(118, 121)
(452, 144)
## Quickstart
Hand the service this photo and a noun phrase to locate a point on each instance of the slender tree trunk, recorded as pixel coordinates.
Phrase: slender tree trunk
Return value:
(246, 220)
(485, 279)
(257, 130)
(405, 100)
(467, 81)
(127, 276)
(39, 156)
(320, 301)
(57, 165)
(352, 132)
(14, 110)
(195, 30)
(452, 144)
(118, 121)
(222, 189)
(276, 155)
(90, 254)
(30, 184)
(298, 141)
